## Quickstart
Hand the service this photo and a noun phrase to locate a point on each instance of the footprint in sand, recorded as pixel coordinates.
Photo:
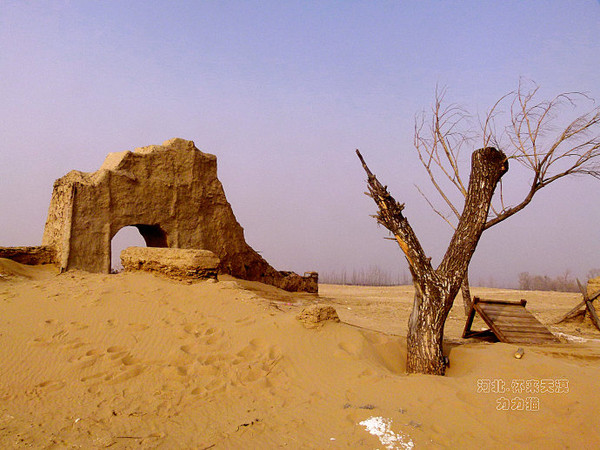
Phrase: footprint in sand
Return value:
(138, 326)
(50, 385)
(93, 377)
(40, 341)
(214, 371)
(212, 336)
(57, 338)
(256, 361)
(275, 352)
(198, 391)
(182, 372)
(128, 365)
(79, 325)
(88, 362)
(248, 320)
(116, 349)
(129, 360)
(124, 357)
(216, 384)
(253, 349)
(6, 295)
(117, 353)
(193, 349)
(75, 344)
(88, 359)
(60, 334)
(215, 359)
(127, 374)
(350, 349)
(207, 336)
(94, 352)
(251, 374)
(193, 329)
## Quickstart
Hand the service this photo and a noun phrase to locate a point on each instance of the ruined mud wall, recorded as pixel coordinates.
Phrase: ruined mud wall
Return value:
(171, 194)
(29, 255)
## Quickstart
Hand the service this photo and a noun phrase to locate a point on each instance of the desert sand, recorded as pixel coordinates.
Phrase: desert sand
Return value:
(135, 360)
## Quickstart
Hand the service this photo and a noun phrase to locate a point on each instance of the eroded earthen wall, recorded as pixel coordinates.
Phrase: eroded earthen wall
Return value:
(169, 191)
(29, 255)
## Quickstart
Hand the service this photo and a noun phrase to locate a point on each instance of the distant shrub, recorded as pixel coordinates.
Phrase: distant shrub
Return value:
(561, 283)
(593, 273)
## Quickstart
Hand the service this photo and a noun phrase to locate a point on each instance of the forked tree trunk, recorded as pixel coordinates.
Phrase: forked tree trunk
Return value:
(435, 289)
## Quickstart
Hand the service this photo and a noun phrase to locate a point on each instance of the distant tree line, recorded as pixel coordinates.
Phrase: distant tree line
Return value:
(561, 283)
(376, 276)
(371, 276)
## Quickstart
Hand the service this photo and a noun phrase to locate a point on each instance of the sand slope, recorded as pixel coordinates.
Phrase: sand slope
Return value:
(137, 361)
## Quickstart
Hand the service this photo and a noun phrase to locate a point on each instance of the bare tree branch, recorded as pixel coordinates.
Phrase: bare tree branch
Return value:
(526, 138)
(438, 147)
(390, 216)
(437, 211)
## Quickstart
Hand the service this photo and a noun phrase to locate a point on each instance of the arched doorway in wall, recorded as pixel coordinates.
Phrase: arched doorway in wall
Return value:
(138, 235)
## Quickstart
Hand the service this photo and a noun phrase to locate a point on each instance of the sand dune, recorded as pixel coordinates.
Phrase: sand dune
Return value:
(138, 361)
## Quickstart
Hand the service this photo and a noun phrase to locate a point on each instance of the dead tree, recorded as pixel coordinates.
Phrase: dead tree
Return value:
(529, 137)
(533, 143)
(435, 289)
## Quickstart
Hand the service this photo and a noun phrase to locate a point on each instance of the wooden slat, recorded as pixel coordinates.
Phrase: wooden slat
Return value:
(575, 311)
(502, 307)
(499, 314)
(593, 314)
(509, 321)
(525, 327)
(490, 323)
(572, 313)
(510, 314)
(526, 333)
(502, 302)
(507, 309)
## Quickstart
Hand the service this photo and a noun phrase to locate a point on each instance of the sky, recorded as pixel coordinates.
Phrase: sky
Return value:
(283, 92)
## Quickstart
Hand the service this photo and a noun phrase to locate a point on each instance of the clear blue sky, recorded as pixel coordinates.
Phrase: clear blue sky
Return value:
(283, 92)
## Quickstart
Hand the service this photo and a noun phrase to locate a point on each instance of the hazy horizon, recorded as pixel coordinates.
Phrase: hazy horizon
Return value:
(283, 93)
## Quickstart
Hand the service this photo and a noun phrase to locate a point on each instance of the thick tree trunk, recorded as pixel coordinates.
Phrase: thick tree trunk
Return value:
(426, 334)
(435, 290)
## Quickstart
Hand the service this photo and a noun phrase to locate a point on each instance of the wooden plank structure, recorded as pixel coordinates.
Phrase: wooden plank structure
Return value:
(589, 307)
(509, 321)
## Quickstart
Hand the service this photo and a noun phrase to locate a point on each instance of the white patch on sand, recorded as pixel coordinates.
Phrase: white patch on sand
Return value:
(381, 427)
(578, 339)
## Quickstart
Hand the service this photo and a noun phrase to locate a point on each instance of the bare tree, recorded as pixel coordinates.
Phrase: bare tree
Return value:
(593, 273)
(435, 289)
(574, 150)
(531, 136)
